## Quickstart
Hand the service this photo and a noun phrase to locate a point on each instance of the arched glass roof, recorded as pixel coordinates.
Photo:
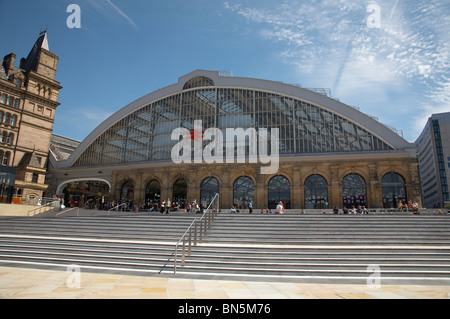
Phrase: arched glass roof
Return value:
(308, 122)
(305, 128)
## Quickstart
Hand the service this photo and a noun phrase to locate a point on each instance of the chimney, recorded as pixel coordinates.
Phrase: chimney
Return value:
(8, 62)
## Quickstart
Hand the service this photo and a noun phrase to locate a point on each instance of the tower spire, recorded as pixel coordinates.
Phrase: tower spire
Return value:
(33, 57)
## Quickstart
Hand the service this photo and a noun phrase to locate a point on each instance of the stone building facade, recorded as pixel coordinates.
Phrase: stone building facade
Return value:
(329, 153)
(28, 102)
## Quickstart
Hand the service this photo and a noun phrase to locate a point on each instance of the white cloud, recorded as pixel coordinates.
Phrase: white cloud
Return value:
(330, 41)
(131, 22)
(109, 9)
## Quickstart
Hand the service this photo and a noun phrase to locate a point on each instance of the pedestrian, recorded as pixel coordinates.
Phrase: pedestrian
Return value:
(250, 207)
(162, 208)
(168, 206)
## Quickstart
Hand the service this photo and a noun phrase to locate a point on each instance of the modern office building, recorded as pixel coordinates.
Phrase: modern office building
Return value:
(28, 102)
(246, 139)
(433, 150)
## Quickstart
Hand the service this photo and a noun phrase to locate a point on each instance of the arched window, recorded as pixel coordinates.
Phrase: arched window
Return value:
(5, 161)
(152, 193)
(127, 192)
(10, 139)
(179, 194)
(198, 81)
(13, 120)
(243, 192)
(354, 191)
(394, 190)
(3, 137)
(279, 190)
(316, 192)
(209, 188)
(7, 118)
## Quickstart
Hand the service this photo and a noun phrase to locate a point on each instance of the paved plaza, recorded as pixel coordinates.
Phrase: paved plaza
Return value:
(22, 283)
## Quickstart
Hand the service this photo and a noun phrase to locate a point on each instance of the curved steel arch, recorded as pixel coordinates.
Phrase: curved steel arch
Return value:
(277, 88)
(96, 179)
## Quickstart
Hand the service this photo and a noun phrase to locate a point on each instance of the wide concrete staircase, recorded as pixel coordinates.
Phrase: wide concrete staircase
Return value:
(406, 249)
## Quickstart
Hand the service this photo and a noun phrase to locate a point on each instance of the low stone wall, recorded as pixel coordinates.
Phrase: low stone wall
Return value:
(19, 210)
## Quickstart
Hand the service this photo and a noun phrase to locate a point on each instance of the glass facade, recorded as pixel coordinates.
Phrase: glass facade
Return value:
(243, 192)
(127, 192)
(304, 128)
(441, 161)
(394, 190)
(179, 193)
(7, 179)
(209, 188)
(152, 193)
(316, 192)
(279, 190)
(354, 191)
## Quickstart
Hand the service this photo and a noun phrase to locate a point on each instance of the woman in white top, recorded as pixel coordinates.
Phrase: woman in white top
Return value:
(280, 208)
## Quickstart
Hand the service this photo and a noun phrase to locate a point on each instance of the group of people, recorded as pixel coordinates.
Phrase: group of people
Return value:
(410, 206)
(194, 207)
(279, 210)
(167, 206)
(360, 210)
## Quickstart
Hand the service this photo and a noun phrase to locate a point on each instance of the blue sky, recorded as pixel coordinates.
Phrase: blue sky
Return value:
(397, 71)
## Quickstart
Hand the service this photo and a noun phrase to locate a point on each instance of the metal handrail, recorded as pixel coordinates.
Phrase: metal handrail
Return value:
(68, 210)
(116, 208)
(210, 213)
(39, 209)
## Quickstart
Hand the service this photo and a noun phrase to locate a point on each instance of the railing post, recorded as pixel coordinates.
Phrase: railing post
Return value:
(209, 219)
(189, 245)
(175, 260)
(183, 253)
(195, 233)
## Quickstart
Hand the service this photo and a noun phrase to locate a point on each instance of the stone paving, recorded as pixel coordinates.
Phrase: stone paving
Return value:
(25, 283)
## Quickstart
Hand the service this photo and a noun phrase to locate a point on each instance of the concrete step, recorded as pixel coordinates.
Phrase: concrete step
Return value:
(286, 247)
